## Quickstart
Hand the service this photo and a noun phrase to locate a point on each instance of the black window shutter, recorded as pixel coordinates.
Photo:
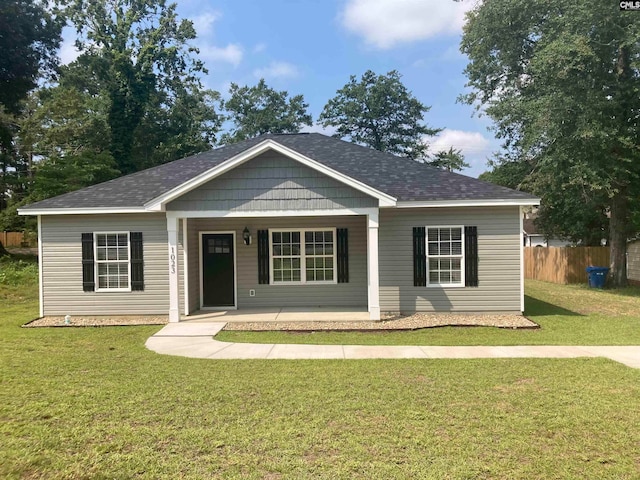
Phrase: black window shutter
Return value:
(137, 264)
(419, 257)
(263, 257)
(88, 272)
(342, 235)
(471, 256)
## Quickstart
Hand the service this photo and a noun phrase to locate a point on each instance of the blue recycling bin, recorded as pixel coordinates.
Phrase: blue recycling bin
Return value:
(597, 276)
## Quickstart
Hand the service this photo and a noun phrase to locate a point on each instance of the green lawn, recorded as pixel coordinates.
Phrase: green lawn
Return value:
(94, 403)
(567, 315)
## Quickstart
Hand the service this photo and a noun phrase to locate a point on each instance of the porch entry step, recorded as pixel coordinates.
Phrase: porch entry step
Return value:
(282, 314)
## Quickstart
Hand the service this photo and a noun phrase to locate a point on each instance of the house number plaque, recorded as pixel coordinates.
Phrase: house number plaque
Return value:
(172, 260)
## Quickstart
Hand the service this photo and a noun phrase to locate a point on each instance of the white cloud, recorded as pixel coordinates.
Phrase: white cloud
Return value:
(317, 128)
(460, 140)
(385, 24)
(232, 53)
(203, 23)
(474, 146)
(68, 52)
(260, 47)
(277, 70)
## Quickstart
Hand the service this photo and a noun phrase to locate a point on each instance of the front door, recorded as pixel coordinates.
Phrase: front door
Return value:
(218, 282)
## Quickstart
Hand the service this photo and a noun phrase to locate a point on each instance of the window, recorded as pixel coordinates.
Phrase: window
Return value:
(303, 256)
(112, 256)
(445, 256)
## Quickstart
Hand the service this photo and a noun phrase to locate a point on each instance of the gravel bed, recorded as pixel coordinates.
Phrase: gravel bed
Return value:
(394, 322)
(105, 321)
(389, 322)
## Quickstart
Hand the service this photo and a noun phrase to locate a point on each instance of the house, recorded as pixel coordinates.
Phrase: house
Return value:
(299, 220)
(532, 237)
(633, 262)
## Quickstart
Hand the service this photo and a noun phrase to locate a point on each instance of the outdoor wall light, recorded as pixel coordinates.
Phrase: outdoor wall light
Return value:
(246, 236)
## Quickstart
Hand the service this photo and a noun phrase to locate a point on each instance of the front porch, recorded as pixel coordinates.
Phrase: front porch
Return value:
(223, 265)
(280, 314)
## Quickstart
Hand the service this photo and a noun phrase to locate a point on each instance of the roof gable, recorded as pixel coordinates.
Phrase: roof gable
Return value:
(271, 182)
(159, 203)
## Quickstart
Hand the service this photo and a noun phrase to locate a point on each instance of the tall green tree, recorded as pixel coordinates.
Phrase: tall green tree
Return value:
(177, 125)
(29, 39)
(378, 111)
(450, 160)
(67, 130)
(569, 211)
(260, 109)
(561, 81)
(135, 48)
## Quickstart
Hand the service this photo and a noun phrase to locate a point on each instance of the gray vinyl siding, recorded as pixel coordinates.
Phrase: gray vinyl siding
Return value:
(194, 265)
(62, 266)
(352, 294)
(499, 241)
(272, 181)
(633, 261)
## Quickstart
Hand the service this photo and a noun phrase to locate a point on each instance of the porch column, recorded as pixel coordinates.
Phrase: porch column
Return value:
(174, 300)
(372, 266)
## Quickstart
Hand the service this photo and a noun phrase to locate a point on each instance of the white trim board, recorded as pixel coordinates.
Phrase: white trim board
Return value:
(468, 203)
(288, 213)
(40, 268)
(81, 211)
(269, 213)
(185, 267)
(159, 203)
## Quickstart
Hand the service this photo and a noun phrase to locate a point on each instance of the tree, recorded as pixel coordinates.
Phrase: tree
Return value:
(29, 38)
(378, 111)
(561, 82)
(28, 44)
(574, 214)
(261, 109)
(449, 160)
(134, 48)
(176, 126)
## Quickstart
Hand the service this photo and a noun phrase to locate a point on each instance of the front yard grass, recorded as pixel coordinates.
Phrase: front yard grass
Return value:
(87, 403)
(567, 315)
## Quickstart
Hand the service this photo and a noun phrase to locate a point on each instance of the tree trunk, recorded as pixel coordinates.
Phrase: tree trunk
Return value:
(3, 251)
(618, 226)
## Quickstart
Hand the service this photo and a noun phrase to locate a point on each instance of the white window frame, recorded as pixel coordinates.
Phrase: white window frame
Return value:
(303, 256)
(461, 257)
(97, 262)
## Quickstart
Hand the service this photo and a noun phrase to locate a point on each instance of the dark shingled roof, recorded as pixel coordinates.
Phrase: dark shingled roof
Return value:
(401, 178)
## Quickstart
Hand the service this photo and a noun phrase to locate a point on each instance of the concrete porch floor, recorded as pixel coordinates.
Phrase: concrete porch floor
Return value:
(281, 314)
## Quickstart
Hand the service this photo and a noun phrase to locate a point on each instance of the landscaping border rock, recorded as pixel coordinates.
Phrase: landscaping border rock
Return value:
(99, 321)
(394, 322)
(389, 322)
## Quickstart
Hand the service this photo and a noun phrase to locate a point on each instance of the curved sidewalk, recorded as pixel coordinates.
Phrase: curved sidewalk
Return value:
(196, 340)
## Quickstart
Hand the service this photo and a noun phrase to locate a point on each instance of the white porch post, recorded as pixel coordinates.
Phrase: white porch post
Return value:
(174, 300)
(372, 266)
(185, 264)
(521, 214)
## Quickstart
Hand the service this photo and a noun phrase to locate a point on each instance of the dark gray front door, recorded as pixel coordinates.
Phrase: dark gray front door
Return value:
(217, 270)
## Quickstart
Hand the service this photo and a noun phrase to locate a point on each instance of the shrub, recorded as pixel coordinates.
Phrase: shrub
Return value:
(18, 271)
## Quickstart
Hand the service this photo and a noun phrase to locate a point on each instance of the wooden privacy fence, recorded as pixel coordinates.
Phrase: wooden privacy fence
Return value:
(16, 239)
(563, 264)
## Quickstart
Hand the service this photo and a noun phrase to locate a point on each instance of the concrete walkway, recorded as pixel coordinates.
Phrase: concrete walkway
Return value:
(196, 340)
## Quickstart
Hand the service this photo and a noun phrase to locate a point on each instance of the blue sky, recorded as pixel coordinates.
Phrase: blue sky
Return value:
(311, 47)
